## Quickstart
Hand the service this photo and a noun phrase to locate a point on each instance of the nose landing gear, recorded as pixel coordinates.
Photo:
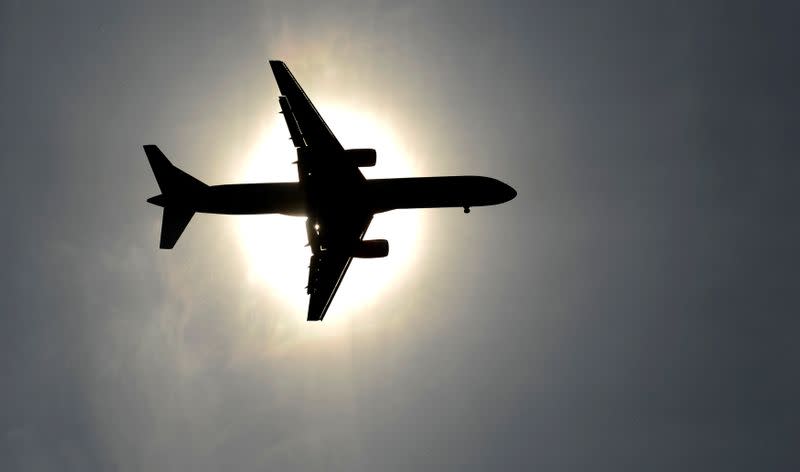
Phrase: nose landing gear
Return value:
(466, 210)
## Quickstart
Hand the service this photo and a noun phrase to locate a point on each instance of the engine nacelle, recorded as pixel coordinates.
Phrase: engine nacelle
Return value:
(362, 157)
(371, 249)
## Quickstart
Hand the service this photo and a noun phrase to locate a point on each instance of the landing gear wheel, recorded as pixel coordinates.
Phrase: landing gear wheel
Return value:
(466, 210)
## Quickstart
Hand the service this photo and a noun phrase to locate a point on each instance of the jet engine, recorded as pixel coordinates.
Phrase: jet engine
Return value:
(371, 249)
(362, 157)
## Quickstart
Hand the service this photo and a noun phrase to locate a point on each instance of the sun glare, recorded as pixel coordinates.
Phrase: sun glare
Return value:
(274, 245)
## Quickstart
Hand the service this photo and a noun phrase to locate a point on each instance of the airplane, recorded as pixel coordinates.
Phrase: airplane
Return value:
(333, 195)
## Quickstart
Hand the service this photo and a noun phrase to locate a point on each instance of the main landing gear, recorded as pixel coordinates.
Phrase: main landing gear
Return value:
(466, 210)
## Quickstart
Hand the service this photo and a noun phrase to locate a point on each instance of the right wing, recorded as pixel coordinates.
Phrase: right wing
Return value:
(325, 274)
(329, 264)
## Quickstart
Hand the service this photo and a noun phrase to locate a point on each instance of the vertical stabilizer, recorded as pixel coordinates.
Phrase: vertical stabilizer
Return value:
(178, 191)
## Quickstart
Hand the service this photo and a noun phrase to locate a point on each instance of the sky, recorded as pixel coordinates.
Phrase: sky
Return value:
(634, 308)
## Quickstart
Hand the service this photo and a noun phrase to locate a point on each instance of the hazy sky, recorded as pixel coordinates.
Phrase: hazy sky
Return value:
(634, 308)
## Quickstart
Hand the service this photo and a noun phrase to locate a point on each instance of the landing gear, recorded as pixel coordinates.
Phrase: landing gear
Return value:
(466, 210)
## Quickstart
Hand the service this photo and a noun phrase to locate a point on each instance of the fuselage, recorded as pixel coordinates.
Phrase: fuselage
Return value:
(378, 195)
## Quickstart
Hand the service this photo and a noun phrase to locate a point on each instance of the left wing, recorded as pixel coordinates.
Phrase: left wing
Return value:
(315, 132)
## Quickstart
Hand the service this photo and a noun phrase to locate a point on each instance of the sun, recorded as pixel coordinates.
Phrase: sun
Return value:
(274, 245)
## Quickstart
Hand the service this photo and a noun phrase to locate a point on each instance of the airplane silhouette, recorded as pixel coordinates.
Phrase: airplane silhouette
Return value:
(337, 200)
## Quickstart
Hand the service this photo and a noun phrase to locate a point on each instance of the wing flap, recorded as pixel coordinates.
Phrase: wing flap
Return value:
(291, 123)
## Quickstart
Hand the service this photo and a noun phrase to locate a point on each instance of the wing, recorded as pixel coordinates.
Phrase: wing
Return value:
(329, 265)
(326, 272)
(313, 129)
(319, 152)
(332, 183)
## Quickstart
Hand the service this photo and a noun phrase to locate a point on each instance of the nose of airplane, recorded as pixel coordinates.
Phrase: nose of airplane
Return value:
(508, 192)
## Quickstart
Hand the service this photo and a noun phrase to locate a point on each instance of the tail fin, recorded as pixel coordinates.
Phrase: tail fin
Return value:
(177, 191)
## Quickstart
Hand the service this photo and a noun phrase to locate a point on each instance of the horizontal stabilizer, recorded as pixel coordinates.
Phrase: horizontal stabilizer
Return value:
(173, 223)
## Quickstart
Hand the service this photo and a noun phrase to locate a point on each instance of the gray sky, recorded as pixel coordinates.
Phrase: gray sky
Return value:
(635, 307)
